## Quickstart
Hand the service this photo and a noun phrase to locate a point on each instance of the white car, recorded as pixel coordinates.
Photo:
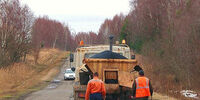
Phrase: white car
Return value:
(69, 74)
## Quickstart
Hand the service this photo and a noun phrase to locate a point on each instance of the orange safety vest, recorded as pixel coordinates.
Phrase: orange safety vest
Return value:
(142, 87)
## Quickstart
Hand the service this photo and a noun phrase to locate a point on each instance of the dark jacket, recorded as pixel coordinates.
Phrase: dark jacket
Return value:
(134, 89)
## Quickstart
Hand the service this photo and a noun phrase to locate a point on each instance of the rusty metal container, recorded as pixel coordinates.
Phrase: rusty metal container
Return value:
(113, 71)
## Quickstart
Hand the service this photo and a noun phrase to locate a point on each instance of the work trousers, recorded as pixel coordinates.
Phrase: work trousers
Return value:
(96, 96)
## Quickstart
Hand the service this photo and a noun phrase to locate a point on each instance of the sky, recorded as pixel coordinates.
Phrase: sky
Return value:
(79, 15)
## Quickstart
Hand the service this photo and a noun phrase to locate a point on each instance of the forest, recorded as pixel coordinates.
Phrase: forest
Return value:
(165, 32)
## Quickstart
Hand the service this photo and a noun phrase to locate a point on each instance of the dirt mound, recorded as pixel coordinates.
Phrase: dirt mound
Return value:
(108, 55)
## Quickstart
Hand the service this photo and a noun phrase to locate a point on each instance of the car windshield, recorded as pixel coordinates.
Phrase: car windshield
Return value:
(88, 55)
(69, 71)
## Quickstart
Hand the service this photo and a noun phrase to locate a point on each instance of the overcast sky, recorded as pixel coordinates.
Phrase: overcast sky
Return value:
(79, 15)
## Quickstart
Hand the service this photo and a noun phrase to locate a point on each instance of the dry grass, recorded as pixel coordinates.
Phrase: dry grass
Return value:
(157, 96)
(19, 77)
(13, 77)
(160, 84)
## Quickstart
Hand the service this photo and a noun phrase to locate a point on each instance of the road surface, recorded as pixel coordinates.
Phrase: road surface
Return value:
(58, 89)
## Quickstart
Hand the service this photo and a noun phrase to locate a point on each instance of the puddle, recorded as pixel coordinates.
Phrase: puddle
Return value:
(54, 84)
(189, 94)
(56, 81)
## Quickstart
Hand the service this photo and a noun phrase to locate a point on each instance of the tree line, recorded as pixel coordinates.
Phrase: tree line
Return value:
(167, 32)
(15, 31)
(22, 33)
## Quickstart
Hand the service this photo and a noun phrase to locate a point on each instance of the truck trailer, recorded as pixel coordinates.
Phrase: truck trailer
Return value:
(114, 68)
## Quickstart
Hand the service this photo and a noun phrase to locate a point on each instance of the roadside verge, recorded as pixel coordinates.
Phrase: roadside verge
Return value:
(22, 78)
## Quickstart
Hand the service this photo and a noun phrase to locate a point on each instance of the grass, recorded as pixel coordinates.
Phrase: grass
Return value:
(148, 67)
(6, 97)
(20, 78)
(164, 85)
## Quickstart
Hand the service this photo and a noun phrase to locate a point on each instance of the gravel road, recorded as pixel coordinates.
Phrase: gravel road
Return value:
(58, 89)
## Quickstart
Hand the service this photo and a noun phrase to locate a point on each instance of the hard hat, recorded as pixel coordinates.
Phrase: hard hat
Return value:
(141, 72)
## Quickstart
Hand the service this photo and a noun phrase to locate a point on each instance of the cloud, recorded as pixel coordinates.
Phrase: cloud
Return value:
(82, 10)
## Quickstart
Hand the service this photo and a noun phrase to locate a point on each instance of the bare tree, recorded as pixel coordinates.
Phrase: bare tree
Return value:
(16, 22)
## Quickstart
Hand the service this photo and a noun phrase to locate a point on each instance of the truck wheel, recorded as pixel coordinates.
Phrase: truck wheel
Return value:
(128, 94)
(109, 97)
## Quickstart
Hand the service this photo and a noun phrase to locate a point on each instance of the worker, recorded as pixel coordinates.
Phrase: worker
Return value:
(95, 89)
(142, 88)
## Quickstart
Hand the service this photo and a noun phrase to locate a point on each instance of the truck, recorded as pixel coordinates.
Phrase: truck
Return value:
(114, 72)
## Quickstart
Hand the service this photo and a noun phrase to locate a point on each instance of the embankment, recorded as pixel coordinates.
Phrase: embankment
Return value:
(24, 77)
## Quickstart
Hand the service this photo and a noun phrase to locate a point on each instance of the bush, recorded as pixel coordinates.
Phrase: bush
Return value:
(137, 45)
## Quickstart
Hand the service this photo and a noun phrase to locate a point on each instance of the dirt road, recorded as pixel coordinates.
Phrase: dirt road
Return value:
(58, 89)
